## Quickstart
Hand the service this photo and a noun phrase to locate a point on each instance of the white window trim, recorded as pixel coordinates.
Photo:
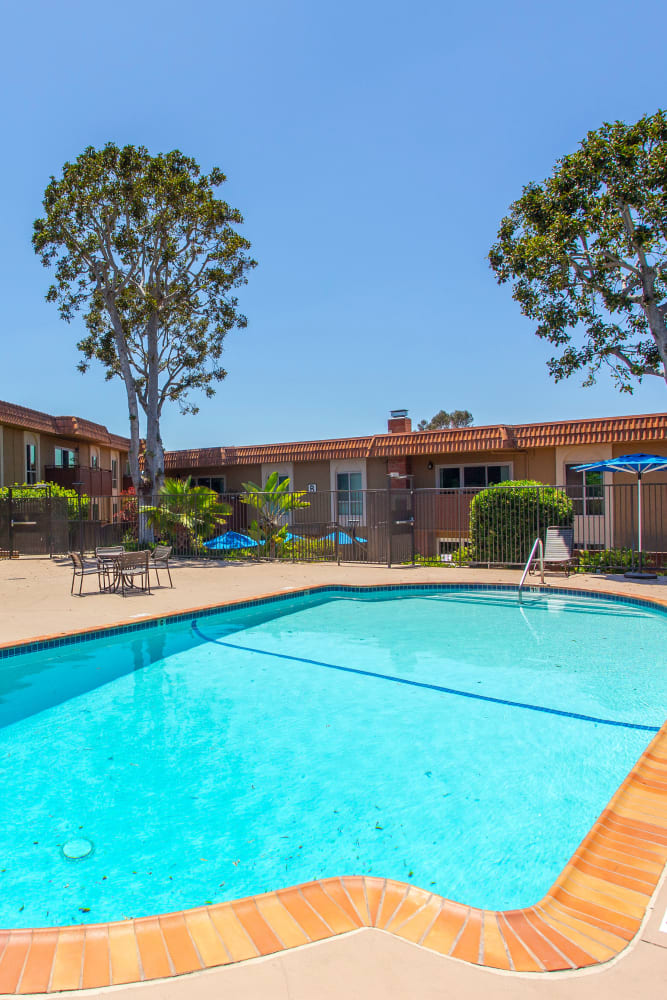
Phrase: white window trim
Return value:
(115, 457)
(579, 455)
(463, 465)
(282, 468)
(29, 438)
(348, 465)
(96, 452)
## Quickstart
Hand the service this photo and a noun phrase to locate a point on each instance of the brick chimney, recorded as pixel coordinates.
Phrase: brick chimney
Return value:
(399, 422)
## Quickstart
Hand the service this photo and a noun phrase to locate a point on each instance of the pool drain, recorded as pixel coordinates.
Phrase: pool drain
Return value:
(78, 849)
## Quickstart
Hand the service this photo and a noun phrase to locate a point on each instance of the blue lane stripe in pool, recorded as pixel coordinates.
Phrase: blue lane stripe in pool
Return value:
(429, 687)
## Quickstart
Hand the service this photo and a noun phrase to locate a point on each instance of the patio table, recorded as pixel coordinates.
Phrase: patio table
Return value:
(109, 568)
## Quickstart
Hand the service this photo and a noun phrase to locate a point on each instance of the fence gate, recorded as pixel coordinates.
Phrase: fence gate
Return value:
(32, 526)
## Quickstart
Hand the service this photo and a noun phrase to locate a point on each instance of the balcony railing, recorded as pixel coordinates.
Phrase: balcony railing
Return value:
(94, 482)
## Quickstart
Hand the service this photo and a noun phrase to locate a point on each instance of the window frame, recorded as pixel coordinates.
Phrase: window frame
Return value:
(348, 465)
(588, 500)
(207, 481)
(351, 497)
(30, 463)
(63, 450)
(461, 466)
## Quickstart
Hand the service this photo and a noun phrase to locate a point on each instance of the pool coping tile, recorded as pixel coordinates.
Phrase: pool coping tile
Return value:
(590, 915)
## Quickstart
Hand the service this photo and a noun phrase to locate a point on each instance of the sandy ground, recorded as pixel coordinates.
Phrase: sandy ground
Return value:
(35, 601)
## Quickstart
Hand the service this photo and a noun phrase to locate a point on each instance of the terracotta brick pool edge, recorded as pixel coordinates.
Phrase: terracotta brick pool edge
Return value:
(592, 912)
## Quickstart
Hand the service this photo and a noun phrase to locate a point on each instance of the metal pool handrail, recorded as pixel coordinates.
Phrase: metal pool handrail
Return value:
(537, 544)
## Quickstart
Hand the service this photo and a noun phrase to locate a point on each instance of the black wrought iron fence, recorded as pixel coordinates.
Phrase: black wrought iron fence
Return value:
(494, 527)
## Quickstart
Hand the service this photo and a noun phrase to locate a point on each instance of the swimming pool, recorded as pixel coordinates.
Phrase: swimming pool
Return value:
(446, 738)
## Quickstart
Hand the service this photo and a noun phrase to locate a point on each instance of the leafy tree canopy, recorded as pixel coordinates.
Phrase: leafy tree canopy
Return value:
(457, 418)
(586, 252)
(143, 246)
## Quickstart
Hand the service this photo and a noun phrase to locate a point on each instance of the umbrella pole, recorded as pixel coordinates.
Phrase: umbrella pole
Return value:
(640, 574)
(639, 517)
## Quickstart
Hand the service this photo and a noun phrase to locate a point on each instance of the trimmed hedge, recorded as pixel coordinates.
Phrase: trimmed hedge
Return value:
(506, 519)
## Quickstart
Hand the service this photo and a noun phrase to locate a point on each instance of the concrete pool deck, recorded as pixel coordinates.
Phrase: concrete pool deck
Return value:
(370, 962)
(35, 600)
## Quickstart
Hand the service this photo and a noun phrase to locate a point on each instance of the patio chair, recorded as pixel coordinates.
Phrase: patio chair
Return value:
(160, 557)
(558, 548)
(81, 569)
(133, 566)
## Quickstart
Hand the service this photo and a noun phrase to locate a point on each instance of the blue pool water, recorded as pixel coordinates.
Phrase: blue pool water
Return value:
(451, 739)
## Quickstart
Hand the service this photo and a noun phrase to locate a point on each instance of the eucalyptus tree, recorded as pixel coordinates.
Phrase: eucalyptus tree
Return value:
(142, 245)
(586, 251)
(442, 419)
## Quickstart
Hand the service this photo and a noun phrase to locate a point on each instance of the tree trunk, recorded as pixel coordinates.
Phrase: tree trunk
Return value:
(658, 328)
(130, 389)
(154, 447)
(652, 311)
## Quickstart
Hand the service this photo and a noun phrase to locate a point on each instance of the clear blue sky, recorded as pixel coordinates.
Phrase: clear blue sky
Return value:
(372, 147)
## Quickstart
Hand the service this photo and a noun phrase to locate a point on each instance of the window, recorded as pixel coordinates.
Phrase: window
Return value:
(30, 463)
(65, 458)
(349, 497)
(586, 490)
(472, 477)
(114, 473)
(94, 459)
(215, 483)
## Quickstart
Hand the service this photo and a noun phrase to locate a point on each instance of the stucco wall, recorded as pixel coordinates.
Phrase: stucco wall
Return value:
(13, 456)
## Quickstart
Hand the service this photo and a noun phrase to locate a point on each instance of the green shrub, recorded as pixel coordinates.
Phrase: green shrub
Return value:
(609, 560)
(22, 491)
(506, 519)
(461, 557)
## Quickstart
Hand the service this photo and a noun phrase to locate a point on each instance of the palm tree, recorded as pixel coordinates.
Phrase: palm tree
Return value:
(186, 513)
(272, 502)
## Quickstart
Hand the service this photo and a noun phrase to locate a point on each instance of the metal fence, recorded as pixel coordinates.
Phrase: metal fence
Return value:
(388, 527)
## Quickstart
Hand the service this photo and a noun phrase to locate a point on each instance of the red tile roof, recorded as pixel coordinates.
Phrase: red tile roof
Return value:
(501, 437)
(65, 427)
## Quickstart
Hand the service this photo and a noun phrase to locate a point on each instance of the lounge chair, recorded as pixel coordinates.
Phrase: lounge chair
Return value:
(160, 557)
(558, 548)
(134, 566)
(81, 569)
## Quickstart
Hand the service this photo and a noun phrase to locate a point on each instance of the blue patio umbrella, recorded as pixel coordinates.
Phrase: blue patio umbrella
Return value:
(229, 541)
(637, 465)
(343, 538)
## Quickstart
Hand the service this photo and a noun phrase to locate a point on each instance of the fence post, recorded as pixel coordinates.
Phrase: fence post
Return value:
(78, 497)
(388, 527)
(11, 523)
(50, 498)
(458, 517)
